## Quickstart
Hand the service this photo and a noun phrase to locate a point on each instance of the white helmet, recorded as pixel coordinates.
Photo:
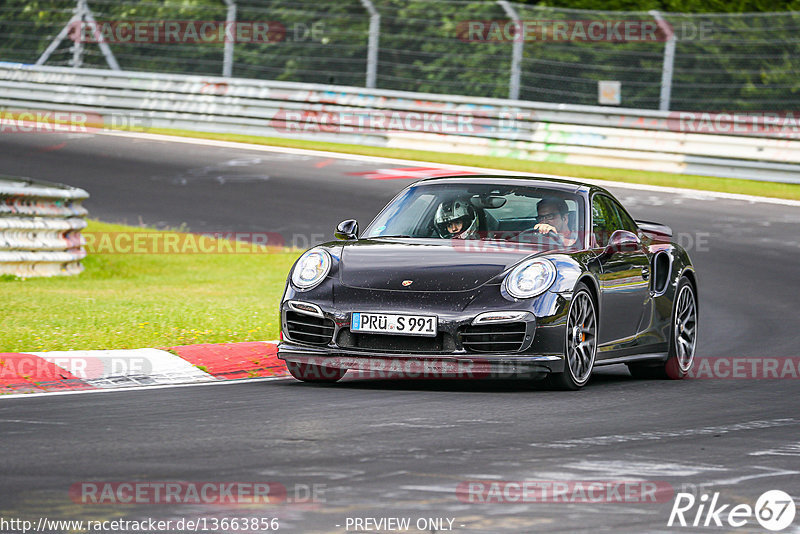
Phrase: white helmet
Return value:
(458, 210)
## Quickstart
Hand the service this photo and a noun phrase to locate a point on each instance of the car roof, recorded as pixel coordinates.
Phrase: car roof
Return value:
(557, 184)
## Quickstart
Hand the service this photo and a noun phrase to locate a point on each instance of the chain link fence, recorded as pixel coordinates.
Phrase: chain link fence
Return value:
(709, 62)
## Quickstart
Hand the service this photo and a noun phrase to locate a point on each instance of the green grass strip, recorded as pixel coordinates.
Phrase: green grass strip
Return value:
(124, 301)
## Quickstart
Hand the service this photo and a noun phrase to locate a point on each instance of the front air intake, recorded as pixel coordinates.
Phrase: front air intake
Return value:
(394, 343)
(501, 337)
(662, 267)
(309, 329)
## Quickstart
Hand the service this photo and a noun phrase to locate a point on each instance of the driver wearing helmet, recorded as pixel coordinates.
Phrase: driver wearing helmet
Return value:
(456, 219)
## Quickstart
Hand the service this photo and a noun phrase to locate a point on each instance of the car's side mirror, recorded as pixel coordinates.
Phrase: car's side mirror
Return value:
(347, 230)
(621, 241)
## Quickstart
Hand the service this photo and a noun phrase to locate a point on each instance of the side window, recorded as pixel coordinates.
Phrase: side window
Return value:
(625, 219)
(605, 219)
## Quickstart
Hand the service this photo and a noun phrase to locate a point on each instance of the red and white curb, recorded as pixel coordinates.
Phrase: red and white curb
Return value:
(82, 370)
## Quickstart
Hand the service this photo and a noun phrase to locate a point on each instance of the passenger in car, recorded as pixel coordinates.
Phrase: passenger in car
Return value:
(456, 219)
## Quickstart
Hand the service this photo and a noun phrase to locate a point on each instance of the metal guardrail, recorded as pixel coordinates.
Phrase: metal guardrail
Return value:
(492, 48)
(40, 225)
(572, 134)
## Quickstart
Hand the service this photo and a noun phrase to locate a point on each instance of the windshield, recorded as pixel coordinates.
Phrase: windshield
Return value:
(485, 212)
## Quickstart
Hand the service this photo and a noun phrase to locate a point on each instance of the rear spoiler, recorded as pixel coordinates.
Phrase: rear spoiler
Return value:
(655, 228)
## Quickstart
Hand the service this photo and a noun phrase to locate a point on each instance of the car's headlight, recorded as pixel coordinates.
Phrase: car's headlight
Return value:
(311, 268)
(530, 278)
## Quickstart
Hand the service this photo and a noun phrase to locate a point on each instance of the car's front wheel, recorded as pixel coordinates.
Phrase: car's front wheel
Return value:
(309, 372)
(581, 341)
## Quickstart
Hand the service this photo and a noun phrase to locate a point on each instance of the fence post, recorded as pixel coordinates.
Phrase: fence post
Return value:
(76, 23)
(516, 50)
(669, 60)
(77, 18)
(77, 44)
(101, 41)
(230, 21)
(372, 46)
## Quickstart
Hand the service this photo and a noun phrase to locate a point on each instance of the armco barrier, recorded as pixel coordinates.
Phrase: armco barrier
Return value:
(581, 135)
(40, 225)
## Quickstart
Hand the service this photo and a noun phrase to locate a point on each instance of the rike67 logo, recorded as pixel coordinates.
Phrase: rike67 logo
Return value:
(774, 510)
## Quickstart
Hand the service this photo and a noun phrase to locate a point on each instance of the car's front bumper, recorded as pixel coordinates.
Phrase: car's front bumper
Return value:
(412, 366)
(539, 351)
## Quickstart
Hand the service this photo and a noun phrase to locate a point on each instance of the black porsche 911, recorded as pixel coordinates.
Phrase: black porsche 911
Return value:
(481, 276)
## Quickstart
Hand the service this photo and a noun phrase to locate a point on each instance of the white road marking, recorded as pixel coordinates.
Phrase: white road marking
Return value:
(739, 480)
(432, 488)
(790, 449)
(626, 468)
(36, 395)
(690, 193)
(27, 422)
(614, 439)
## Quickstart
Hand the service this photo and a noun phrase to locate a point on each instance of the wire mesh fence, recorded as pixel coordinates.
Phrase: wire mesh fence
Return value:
(718, 62)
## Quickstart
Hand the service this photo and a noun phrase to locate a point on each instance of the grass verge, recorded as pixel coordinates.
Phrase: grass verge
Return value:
(703, 183)
(124, 301)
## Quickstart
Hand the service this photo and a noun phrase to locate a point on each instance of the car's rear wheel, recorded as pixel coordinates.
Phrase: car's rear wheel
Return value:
(683, 338)
(581, 341)
(319, 374)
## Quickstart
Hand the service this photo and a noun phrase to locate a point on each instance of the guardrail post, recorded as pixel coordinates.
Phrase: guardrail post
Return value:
(516, 50)
(372, 46)
(669, 60)
(230, 21)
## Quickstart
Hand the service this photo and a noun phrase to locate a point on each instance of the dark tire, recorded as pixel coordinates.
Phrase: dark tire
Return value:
(682, 338)
(580, 348)
(316, 374)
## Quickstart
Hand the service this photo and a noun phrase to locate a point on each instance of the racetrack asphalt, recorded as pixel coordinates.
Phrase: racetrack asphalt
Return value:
(400, 448)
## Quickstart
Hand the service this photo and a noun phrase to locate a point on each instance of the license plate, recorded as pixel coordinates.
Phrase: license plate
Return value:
(390, 323)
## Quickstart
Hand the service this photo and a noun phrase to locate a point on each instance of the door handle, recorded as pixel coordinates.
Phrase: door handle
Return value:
(645, 273)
